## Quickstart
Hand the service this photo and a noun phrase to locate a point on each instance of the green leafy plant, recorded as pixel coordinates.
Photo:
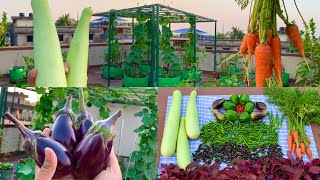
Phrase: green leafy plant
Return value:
(66, 20)
(312, 51)
(29, 62)
(115, 56)
(26, 169)
(3, 30)
(170, 59)
(140, 49)
(188, 55)
(6, 166)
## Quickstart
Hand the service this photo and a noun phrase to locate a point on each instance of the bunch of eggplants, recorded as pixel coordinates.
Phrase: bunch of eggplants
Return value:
(82, 146)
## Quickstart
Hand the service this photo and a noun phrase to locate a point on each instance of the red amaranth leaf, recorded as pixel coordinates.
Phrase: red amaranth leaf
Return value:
(314, 170)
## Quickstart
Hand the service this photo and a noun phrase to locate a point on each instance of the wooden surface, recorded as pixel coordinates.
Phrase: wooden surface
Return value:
(163, 94)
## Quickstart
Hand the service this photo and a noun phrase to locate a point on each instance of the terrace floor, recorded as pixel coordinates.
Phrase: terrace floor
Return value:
(95, 79)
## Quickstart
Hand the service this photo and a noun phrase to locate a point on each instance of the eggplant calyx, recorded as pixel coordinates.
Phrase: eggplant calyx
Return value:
(106, 127)
(67, 109)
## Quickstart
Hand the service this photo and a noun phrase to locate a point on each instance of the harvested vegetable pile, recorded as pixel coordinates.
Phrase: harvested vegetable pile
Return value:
(228, 152)
(239, 108)
(302, 108)
(72, 139)
(265, 168)
(251, 134)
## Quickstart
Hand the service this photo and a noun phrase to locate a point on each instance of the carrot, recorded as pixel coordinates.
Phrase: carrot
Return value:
(243, 51)
(270, 35)
(309, 153)
(308, 139)
(251, 39)
(289, 139)
(295, 137)
(303, 148)
(262, 53)
(293, 33)
(298, 153)
(293, 148)
(276, 54)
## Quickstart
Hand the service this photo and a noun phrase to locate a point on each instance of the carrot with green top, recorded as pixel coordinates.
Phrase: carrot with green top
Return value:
(309, 153)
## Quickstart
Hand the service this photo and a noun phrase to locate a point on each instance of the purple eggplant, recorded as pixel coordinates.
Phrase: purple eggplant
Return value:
(35, 143)
(261, 105)
(62, 130)
(257, 115)
(92, 152)
(218, 103)
(83, 121)
(218, 114)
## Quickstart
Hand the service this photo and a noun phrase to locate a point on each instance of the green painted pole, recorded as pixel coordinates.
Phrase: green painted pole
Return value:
(3, 104)
(215, 45)
(195, 50)
(109, 48)
(132, 29)
(157, 46)
(152, 46)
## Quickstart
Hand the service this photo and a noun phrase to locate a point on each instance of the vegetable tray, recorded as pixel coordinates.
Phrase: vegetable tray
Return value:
(205, 116)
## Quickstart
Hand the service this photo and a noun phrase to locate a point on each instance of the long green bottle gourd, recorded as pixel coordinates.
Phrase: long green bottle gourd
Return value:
(183, 151)
(47, 50)
(171, 129)
(192, 121)
(79, 52)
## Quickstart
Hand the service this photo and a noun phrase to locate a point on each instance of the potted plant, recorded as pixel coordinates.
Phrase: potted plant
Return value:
(6, 170)
(133, 74)
(116, 71)
(171, 77)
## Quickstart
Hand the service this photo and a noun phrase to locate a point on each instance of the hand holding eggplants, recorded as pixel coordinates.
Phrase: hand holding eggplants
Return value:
(82, 150)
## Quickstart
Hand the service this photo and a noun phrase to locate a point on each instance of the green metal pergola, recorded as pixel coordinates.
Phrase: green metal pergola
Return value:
(155, 11)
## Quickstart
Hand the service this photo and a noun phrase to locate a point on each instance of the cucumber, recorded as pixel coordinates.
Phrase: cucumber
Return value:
(170, 132)
(183, 151)
(192, 121)
(47, 49)
(79, 52)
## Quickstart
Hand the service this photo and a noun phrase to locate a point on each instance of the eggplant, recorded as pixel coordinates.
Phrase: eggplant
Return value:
(261, 105)
(35, 143)
(62, 130)
(218, 103)
(92, 152)
(84, 119)
(218, 114)
(257, 115)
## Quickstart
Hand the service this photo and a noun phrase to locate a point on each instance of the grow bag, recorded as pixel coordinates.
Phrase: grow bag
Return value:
(285, 78)
(16, 73)
(169, 82)
(6, 174)
(115, 72)
(135, 82)
(190, 75)
(147, 69)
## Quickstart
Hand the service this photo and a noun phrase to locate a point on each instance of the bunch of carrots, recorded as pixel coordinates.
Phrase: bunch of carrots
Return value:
(263, 41)
(298, 141)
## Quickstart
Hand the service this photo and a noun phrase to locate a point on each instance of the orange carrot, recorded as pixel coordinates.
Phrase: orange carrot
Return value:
(270, 35)
(308, 139)
(262, 53)
(303, 148)
(309, 153)
(298, 153)
(244, 47)
(293, 33)
(295, 136)
(251, 39)
(293, 148)
(276, 54)
(289, 139)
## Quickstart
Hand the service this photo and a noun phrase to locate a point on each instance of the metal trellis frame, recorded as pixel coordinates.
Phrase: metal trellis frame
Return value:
(155, 11)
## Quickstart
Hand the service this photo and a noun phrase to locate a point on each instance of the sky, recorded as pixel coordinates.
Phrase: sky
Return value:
(227, 12)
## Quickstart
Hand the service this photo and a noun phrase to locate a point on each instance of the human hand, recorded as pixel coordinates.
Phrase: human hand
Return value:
(32, 74)
(50, 163)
